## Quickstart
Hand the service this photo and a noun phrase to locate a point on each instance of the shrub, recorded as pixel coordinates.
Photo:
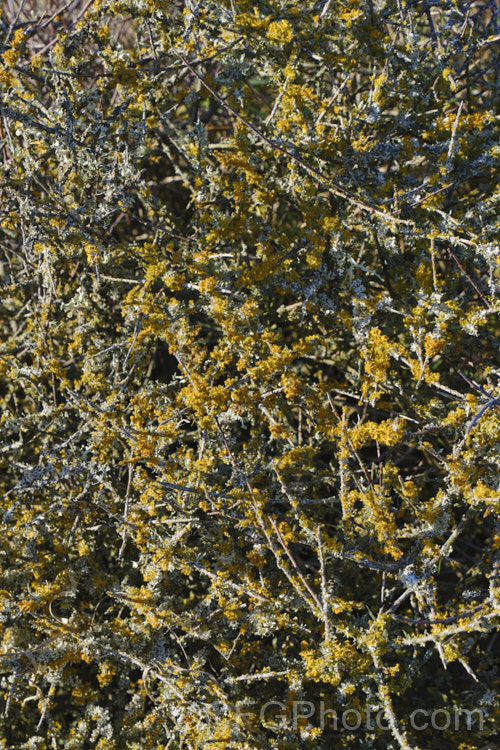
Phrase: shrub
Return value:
(249, 374)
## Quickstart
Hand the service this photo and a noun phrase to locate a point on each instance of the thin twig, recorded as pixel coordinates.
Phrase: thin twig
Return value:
(468, 277)
(324, 590)
(442, 621)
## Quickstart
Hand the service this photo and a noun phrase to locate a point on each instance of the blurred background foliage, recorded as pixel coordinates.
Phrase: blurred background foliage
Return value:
(249, 279)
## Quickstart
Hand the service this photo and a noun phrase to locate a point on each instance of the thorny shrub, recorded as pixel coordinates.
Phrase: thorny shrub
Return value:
(249, 372)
